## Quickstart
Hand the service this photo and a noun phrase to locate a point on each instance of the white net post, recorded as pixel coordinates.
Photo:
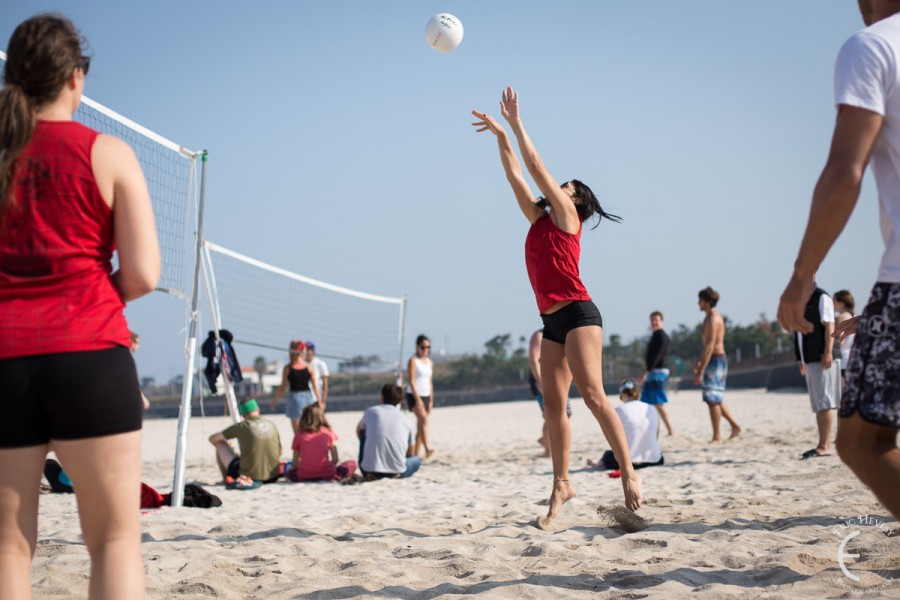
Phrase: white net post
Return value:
(402, 334)
(187, 390)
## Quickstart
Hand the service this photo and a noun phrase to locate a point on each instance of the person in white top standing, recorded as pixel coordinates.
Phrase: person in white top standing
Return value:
(419, 396)
(845, 309)
(322, 374)
(867, 95)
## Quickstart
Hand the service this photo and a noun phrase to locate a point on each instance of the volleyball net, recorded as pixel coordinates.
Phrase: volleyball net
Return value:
(266, 307)
(171, 174)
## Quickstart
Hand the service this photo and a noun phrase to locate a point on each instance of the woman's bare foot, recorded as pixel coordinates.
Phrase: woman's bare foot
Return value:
(715, 441)
(429, 453)
(735, 432)
(631, 485)
(562, 493)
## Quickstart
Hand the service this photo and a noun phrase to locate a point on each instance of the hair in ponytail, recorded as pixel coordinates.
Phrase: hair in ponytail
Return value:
(40, 57)
(586, 204)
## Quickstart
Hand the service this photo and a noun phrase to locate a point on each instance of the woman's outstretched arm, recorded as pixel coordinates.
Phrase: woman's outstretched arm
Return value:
(511, 166)
(559, 200)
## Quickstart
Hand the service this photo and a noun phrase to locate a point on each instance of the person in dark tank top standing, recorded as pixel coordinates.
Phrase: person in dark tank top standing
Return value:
(573, 328)
(69, 198)
(653, 381)
(298, 377)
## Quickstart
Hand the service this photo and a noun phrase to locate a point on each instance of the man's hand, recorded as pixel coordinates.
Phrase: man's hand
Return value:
(793, 304)
(845, 329)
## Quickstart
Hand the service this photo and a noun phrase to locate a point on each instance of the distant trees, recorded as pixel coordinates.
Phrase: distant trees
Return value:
(259, 365)
(500, 364)
(505, 359)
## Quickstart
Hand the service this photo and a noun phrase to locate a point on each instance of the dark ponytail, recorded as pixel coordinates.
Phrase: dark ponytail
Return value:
(16, 126)
(41, 55)
(586, 204)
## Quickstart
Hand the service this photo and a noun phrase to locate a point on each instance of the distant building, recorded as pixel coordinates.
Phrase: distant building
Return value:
(251, 385)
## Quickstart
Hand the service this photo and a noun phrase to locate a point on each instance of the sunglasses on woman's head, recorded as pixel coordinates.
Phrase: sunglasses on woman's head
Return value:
(84, 63)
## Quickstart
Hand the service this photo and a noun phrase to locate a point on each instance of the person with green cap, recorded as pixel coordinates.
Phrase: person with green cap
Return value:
(260, 449)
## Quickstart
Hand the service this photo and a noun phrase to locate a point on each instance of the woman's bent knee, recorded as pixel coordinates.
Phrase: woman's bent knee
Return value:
(595, 400)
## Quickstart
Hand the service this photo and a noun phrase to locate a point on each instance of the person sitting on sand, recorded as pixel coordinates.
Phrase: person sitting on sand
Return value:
(386, 438)
(315, 455)
(641, 424)
(260, 449)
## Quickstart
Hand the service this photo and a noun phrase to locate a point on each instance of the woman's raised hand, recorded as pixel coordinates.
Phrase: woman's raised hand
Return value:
(509, 105)
(486, 122)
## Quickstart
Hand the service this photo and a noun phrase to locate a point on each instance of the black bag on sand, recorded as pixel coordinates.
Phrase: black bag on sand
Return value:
(195, 496)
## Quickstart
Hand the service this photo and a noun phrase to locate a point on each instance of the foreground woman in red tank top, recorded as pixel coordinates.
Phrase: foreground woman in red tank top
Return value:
(573, 327)
(69, 197)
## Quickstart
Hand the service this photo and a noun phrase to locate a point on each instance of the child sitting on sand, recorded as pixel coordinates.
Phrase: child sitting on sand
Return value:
(315, 455)
(641, 424)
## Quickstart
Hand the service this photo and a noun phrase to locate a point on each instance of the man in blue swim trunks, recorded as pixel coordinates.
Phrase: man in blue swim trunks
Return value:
(712, 368)
(653, 381)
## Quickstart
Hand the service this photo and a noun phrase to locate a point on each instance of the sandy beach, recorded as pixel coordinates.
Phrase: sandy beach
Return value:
(744, 519)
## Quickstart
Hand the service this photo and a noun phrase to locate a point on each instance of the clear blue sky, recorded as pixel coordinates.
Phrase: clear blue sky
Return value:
(340, 147)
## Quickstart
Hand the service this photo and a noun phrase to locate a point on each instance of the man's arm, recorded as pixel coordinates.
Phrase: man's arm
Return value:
(834, 199)
(709, 343)
(217, 438)
(828, 358)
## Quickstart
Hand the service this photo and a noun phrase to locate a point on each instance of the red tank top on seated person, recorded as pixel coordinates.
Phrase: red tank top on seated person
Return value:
(551, 257)
(56, 243)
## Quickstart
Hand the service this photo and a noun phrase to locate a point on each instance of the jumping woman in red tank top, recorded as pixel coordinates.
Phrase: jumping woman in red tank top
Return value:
(573, 329)
(69, 197)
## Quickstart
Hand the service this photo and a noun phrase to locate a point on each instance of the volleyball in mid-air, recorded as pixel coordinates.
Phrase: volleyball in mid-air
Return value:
(443, 32)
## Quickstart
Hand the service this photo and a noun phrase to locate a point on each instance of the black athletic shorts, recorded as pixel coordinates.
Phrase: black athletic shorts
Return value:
(872, 382)
(68, 396)
(411, 402)
(569, 317)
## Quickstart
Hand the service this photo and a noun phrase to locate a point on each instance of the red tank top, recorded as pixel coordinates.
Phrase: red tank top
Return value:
(551, 256)
(56, 243)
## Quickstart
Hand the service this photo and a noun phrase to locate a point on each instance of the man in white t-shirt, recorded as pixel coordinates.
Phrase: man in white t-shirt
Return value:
(321, 373)
(386, 438)
(814, 352)
(867, 95)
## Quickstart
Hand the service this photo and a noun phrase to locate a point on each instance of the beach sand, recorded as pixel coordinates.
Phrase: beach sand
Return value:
(744, 519)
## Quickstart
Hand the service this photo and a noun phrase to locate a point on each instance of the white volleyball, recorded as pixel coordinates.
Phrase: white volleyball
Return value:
(443, 32)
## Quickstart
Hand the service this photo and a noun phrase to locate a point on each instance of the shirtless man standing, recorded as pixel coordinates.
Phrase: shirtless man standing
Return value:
(712, 368)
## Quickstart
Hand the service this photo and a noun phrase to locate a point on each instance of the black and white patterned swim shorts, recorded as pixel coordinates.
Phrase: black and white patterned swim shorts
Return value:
(872, 384)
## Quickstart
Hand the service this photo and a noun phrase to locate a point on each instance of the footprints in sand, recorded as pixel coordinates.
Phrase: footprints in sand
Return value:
(620, 517)
(195, 588)
(615, 517)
